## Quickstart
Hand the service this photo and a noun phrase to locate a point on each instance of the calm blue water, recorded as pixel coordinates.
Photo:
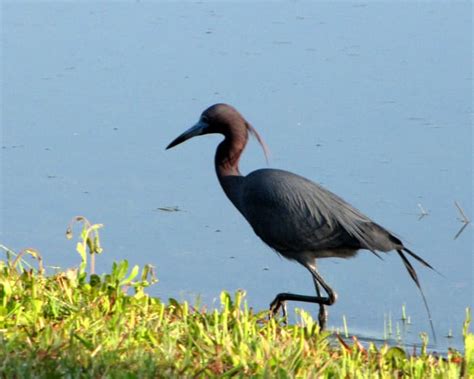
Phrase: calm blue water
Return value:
(372, 100)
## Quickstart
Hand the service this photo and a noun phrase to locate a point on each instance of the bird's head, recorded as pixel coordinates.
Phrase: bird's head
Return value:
(222, 119)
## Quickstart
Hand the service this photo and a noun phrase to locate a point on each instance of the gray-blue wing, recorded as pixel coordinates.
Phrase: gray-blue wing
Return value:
(292, 214)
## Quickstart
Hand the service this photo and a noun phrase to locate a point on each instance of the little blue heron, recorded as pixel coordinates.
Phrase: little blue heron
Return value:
(299, 219)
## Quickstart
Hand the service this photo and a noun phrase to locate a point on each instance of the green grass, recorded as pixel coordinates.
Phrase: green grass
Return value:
(74, 324)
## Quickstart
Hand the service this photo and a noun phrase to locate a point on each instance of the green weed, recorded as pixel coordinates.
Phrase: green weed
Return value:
(78, 324)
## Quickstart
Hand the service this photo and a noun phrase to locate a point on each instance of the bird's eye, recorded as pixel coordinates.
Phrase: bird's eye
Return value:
(204, 119)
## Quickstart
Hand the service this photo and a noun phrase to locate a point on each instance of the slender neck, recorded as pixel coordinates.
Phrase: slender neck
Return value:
(227, 165)
(228, 154)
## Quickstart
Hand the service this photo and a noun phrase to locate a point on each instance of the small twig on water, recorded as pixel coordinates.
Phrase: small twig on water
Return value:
(423, 212)
(461, 230)
(464, 219)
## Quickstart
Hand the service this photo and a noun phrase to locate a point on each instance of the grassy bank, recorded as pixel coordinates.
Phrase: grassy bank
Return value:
(75, 324)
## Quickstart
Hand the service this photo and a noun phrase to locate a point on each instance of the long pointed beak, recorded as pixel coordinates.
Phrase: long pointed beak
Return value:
(196, 130)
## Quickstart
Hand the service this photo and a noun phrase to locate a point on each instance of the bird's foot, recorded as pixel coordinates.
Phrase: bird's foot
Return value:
(275, 307)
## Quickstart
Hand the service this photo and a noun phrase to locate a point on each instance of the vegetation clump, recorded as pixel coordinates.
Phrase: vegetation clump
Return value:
(74, 324)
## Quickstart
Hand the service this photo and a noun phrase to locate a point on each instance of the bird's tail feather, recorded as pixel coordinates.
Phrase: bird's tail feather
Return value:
(414, 276)
(421, 260)
(418, 258)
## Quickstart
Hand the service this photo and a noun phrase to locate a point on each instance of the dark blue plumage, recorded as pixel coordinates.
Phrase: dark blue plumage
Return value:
(298, 218)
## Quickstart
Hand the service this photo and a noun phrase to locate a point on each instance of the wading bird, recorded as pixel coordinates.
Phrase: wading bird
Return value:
(299, 219)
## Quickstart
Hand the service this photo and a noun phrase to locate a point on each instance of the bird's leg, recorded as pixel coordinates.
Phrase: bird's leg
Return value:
(323, 313)
(284, 312)
(281, 298)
